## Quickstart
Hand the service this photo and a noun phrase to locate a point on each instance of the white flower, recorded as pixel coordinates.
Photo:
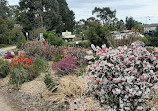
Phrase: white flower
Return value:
(89, 57)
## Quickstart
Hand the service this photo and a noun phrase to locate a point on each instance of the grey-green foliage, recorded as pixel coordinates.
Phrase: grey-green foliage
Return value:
(40, 65)
(4, 69)
(19, 75)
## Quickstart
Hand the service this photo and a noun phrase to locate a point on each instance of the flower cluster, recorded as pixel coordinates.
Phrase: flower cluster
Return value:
(77, 52)
(37, 48)
(66, 65)
(121, 77)
(8, 55)
(21, 60)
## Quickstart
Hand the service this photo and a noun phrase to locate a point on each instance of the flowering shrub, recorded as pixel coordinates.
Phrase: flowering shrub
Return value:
(21, 60)
(122, 77)
(37, 48)
(66, 65)
(77, 52)
(22, 69)
(8, 55)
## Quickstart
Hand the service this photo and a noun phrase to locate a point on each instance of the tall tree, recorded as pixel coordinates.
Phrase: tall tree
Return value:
(105, 14)
(3, 31)
(48, 14)
(4, 10)
(67, 15)
(131, 23)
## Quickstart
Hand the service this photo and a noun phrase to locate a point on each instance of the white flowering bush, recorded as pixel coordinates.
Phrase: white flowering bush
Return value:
(122, 77)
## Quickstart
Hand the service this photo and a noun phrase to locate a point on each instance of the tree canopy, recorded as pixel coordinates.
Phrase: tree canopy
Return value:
(48, 14)
(105, 14)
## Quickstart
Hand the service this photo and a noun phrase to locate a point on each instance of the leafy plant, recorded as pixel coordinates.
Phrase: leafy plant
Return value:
(40, 65)
(22, 69)
(19, 75)
(52, 39)
(58, 57)
(17, 37)
(51, 85)
(4, 68)
(122, 77)
(85, 44)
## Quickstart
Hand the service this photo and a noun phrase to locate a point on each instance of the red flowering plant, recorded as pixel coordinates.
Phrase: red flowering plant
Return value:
(21, 60)
(21, 70)
(66, 65)
(122, 77)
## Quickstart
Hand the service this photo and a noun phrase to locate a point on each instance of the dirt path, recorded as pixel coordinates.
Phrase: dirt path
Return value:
(8, 48)
(6, 105)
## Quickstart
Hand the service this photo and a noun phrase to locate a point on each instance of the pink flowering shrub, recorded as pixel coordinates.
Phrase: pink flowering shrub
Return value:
(66, 65)
(8, 55)
(77, 52)
(37, 48)
(121, 77)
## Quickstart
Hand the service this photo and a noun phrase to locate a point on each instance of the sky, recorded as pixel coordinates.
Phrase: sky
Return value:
(145, 11)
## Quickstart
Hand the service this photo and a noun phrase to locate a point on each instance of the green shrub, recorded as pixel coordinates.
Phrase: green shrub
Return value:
(4, 69)
(52, 39)
(71, 44)
(51, 85)
(19, 75)
(22, 69)
(17, 37)
(40, 65)
(85, 44)
(3, 45)
(80, 71)
(58, 57)
(146, 40)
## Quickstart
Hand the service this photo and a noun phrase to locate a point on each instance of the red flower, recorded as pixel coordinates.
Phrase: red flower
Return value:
(44, 43)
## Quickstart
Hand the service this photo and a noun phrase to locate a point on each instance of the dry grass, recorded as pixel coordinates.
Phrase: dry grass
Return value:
(70, 87)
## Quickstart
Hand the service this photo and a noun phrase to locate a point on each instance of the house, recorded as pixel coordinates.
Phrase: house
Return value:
(67, 36)
(125, 34)
(150, 27)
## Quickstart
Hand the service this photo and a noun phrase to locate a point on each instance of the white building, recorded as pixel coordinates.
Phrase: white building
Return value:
(67, 36)
(150, 27)
(125, 34)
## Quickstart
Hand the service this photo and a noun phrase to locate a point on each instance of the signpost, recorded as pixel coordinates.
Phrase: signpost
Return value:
(27, 35)
(41, 36)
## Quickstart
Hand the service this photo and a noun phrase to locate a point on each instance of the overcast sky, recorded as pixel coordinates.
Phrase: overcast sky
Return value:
(138, 9)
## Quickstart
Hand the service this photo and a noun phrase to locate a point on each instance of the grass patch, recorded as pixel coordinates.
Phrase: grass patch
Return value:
(3, 45)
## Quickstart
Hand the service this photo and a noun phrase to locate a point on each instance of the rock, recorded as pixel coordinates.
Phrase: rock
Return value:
(82, 97)
(2, 52)
(80, 77)
(77, 101)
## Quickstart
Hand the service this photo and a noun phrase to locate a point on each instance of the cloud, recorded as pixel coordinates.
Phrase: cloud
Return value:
(139, 9)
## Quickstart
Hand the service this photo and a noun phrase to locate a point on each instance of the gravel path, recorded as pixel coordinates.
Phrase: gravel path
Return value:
(8, 48)
(5, 104)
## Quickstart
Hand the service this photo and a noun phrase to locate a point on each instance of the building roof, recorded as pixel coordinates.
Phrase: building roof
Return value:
(151, 25)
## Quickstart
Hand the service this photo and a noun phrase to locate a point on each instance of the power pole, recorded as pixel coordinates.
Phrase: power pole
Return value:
(147, 18)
